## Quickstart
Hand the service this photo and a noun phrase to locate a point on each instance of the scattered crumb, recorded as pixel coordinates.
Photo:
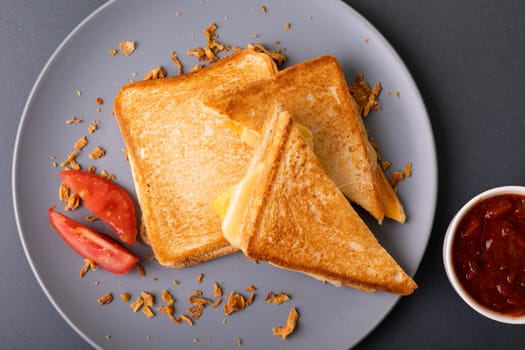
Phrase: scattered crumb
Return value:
(398, 176)
(63, 192)
(74, 120)
(217, 290)
(73, 202)
(287, 26)
(239, 341)
(140, 269)
(367, 40)
(112, 52)
(175, 282)
(177, 62)
(276, 55)
(186, 319)
(156, 73)
(125, 297)
(79, 93)
(213, 47)
(263, 9)
(178, 14)
(364, 95)
(98, 152)
(137, 304)
(146, 310)
(235, 302)
(167, 297)
(277, 298)
(88, 265)
(398, 94)
(148, 298)
(251, 288)
(200, 277)
(289, 326)
(108, 337)
(216, 303)
(100, 101)
(81, 143)
(127, 47)
(105, 299)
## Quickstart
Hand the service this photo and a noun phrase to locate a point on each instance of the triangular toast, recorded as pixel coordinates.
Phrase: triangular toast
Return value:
(288, 212)
(182, 155)
(315, 92)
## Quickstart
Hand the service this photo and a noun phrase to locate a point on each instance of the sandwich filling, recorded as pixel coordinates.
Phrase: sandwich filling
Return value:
(237, 206)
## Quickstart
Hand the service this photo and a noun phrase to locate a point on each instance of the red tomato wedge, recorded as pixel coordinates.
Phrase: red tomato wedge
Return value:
(108, 201)
(103, 250)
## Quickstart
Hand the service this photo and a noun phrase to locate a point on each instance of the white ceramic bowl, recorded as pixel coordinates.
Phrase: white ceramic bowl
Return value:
(447, 255)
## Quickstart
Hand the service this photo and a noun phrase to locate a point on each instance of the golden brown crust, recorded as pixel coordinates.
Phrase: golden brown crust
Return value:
(182, 156)
(316, 94)
(298, 219)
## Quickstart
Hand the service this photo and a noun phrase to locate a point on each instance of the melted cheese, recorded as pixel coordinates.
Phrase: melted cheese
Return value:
(238, 204)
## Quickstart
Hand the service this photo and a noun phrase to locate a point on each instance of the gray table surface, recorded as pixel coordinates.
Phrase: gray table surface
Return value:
(468, 59)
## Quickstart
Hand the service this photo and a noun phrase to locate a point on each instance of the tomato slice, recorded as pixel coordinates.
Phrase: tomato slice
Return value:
(108, 201)
(103, 250)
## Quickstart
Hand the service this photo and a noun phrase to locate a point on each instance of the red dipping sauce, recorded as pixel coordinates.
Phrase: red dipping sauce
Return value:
(488, 253)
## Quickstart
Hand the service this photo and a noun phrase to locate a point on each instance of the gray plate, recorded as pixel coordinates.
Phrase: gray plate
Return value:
(330, 317)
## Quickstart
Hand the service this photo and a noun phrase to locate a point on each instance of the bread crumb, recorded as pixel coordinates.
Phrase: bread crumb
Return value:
(112, 52)
(177, 62)
(277, 298)
(127, 47)
(276, 55)
(63, 192)
(216, 303)
(146, 310)
(263, 9)
(81, 143)
(239, 341)
(88, 264)
(167, 297)
(364, 95)
(148, 298)
(73, 202)
(175, 282)
(178, 14)
(69, 158)
(200, 277)
(251, 288)
(209, 53)
(100, 101)
(79, 93)
(98, 152)
(398, 176)
(137, 304)
(125, 297)
(235, 302)
(217, 290)
(289, 326)
(251, 299)
(367, 40)
(287, 26)
(74, 120)
(105, 299)
(156, 73)
(186, 319)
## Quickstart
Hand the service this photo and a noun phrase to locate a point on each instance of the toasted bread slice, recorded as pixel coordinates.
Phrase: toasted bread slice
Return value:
(316, 94)
(182, 155)
(288, 212)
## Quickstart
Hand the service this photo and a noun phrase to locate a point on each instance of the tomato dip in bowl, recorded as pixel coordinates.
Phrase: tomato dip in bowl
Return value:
(484, 253)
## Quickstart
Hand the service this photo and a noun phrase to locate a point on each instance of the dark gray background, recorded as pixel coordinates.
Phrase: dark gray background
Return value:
(468, 59)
